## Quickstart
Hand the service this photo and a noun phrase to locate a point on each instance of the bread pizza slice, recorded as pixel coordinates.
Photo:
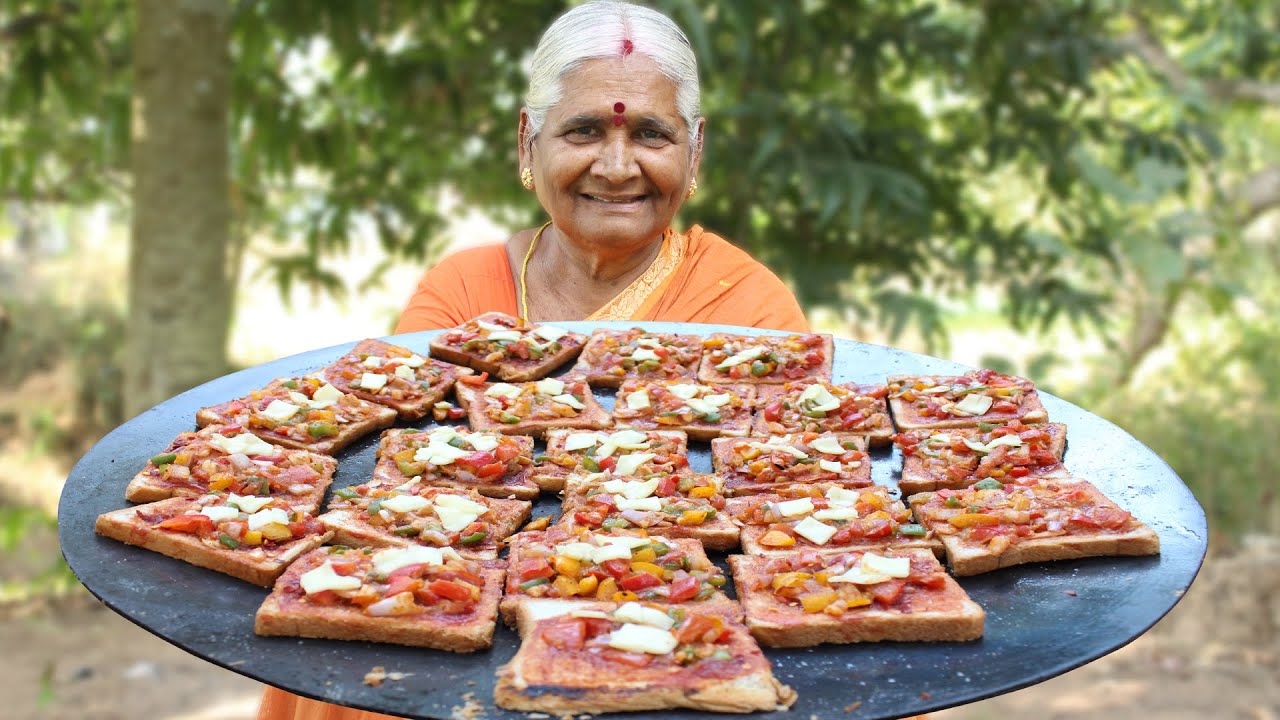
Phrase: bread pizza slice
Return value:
(507, 347)
(766, 359)
(306, 413)
(610, 657)
(949, 401)
(764, 464)
(702, 412)
(394, 376)
(228, 458)
(808, 598)
(823, 406)
(251, 537)
(952, 458)
(377, 515)
(669, 506)
(418, 596)
(581, 566)
(490, 463)
(991, 525)
(621, 453)
(612, 356)
(827, 518)
(533, 408)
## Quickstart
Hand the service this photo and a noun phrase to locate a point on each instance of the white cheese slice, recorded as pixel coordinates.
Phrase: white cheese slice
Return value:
(610, 552)
(626, 541)
(940, 439)
(581, 441)
(405, 503)
(482, 442)
(577, 550)
(569, 400)
(326, 396)
(858, 575)
(504, 335)
(795, 508)
(324, 578)
(718, 399)
(814, 531)
(830, 466)
(935, 390)
(434, 452)
(280, 410)
(373, 381)
(405, 372)
(491, 327)
(506, 390)
(1010, 440)
(643, 354)
(634, 612)
(683, 391)
(973, 404)
(838, 512)
(549, 333)
(268, 516)
(443, 405)
(443, 434)
(700, 406)
(898, 567)
(747, 355)
(458, 502)
(245, 443)
(842, 496)
(220, 513)
(642, 638)
(628, 464)
(778, 447)
(633, 489)
(828, 445)
(550, 386)
(638, 400)
(413, 361)
(249, 503)
(652, 504)
(630, 439)
(648, 342)
(389, 560)
(373, 361)
(817, 398)
(454, 519)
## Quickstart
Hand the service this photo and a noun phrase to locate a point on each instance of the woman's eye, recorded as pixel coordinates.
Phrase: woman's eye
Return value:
(651, 134)
(583, 132)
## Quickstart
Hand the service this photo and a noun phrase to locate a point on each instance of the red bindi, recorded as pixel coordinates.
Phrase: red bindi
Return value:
(627, 47)
(619, 119)
(619, 107)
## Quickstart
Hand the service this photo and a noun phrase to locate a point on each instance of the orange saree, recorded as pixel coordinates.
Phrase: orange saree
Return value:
(698, 277)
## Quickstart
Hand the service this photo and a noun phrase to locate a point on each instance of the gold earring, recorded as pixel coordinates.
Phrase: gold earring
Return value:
(526, 178)
(693, 189)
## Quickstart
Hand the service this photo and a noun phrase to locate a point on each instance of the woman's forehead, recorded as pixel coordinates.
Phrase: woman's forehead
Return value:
(596, 86)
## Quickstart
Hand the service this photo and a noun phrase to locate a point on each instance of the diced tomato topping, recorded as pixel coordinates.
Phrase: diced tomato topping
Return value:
(1019, 471)
(534, 568)
(738, 372)
(773, 411)
(596, 626)
(983, 533)
(683, 588)
(850, 419)
(608, 463)
(402, 583)
(480, 459)
(324, 597)
(639, 581)
(342, 567)
(1004, 406)
(594, 519)
(474, 380)
(449, 590)
(667, 486)
(568, 635)
(633, 659)
(455, 413)
(491, 470)
(194, 524)
(793, 372)
(887, 592)
(617, 568)
(409, 571)
(702, 628)
(506, 452)
(813, 359)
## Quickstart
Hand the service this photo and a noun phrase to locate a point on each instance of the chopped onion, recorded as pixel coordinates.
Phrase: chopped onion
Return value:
(398, 604)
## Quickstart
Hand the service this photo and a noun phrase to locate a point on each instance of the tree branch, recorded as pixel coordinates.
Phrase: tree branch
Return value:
(1257, 194)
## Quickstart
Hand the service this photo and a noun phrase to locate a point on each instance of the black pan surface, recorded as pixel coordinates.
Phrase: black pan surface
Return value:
(1042, 619)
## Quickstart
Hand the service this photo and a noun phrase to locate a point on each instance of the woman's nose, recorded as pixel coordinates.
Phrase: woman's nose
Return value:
(617, 162)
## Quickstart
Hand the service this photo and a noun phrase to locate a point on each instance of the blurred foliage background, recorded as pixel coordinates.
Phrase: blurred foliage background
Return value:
(1081, 191)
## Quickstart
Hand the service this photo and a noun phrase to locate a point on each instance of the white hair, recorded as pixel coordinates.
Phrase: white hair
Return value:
(601, 29)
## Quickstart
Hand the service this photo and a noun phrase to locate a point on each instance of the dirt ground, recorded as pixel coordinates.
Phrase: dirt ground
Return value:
(1217, 655)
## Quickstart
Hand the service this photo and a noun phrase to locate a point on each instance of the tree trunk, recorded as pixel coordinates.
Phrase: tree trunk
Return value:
(180, 294)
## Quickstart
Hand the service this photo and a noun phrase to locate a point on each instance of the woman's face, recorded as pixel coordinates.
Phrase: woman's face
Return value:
(613, 184)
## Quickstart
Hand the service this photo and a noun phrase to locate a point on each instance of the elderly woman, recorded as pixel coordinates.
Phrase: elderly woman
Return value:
(610, 139)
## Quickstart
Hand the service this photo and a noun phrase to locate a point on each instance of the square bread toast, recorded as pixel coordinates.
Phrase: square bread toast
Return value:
(763, 464)
(702, 412)
(765, 359)
(668, 506)
(609, 657)
(586, 451)
(494, 465)
(533, 408)
(952, 458)
(612, 356)
(507, 347)
(991, 525)
(394, 376)
(417, 596)
(807, 598)
(823, 406)
(947, 401)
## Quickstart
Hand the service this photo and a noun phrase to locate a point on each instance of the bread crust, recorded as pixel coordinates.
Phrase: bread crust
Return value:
(907, 417)
(556, 680)
(736, 422)
(917, 477)
(712, 355)
(594, 363)
(409, 398)
(127, 526)
(951, 615)
(510, 369)
(875, 427)
(457, 633)
(550, 474)
(784, 469)
(473, 399)
(514, 483)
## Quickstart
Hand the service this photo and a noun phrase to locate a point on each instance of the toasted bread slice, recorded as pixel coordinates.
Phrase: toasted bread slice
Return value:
(782, 611)
(533, 408)
(828, 518)
(570, 662)
(612, 356)
(306, 413)
(765, 359)
(219, 540)
(668, 506)
(1033, 520)
(586, 451)
(763, 464)
(701, 411)
(426, 617)
(942, 401)
(376, 515)
(823, 406)
(952, 458)
(544, 563)
(520, 352)
(394, 376)
(446, 456)
(227, 458)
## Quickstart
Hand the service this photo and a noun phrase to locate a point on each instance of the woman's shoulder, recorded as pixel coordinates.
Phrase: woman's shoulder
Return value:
(485, 259)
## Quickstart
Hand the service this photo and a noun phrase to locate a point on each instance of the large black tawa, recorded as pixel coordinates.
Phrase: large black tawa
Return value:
(1042, 620)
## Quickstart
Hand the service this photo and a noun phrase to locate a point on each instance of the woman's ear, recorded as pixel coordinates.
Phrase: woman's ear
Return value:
(696, 140)
(524, 142)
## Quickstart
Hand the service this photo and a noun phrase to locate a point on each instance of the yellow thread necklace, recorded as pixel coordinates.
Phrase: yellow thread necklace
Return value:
(524, 269)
